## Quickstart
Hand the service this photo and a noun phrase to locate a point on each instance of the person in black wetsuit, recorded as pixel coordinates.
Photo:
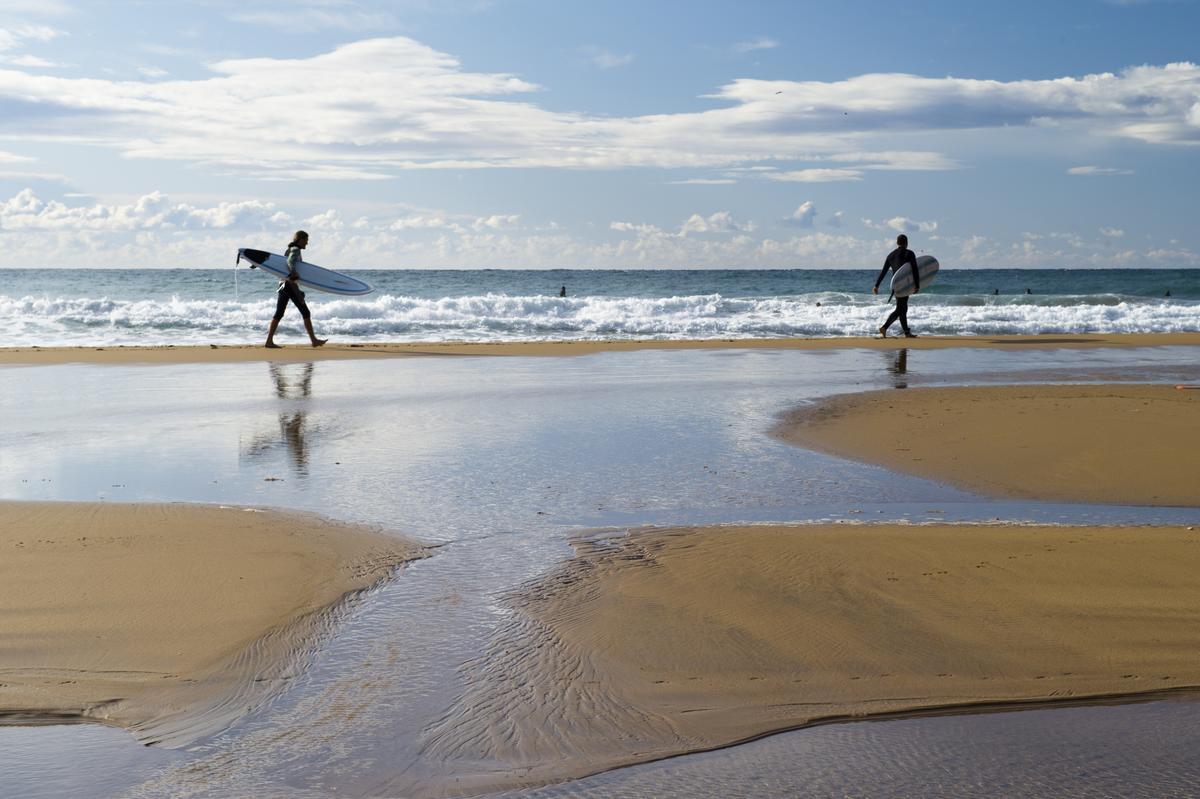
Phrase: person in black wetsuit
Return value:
(289, 289)
(896, 259)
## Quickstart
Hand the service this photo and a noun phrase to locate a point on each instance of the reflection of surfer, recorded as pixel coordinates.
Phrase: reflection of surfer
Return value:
(896, 259)
(289, 289)
(295, 386)
(899, 369)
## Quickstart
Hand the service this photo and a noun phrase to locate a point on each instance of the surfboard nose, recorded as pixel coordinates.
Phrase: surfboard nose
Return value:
(255, 256)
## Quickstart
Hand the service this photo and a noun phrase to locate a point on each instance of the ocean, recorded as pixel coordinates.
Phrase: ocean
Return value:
(99, 307)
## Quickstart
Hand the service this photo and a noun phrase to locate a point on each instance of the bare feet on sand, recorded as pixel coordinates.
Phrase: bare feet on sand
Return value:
(319, 342)
(271, 345)
(883, 332)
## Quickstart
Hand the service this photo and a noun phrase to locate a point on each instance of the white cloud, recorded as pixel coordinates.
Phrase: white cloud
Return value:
(1098, 170)
(153, 230)
(760, 43)
(643, 229)
(804, 215)
(376, 107)
(1063, 249)
(12, 38)
(32, 62)
(889, 160)
(496, 222)
(152, 72)
(719, 222)
(327, 220)
(816, 175)
(605, 59)
(1149, 103)
(703, 182)
(897, 160)
(460, 224)
(154, 211)
(1112, 232)
(902, 224)
(836, 220)
(424, 221)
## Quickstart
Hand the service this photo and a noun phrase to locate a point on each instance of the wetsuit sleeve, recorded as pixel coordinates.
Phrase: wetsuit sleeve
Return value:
(883, 271)
(912, 259)
(293, 256)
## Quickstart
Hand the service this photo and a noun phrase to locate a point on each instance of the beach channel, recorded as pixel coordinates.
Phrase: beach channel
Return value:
(624, 563)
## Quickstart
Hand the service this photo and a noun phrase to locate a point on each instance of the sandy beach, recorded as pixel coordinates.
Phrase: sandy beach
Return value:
(489, 673)
(678, 639)
(336, 351)
(1121, 444)
(169, 620)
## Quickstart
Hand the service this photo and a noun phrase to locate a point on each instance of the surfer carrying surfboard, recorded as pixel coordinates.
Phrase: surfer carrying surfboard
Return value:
(289, 289)
(895, 260)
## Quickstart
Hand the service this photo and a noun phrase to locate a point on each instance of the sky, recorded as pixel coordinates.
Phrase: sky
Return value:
(615, 134)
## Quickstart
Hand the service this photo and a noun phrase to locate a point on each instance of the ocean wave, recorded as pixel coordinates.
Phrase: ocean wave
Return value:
(50, 321)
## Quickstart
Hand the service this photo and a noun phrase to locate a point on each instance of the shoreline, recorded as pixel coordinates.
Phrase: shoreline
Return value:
(213, 353)
(169, 620)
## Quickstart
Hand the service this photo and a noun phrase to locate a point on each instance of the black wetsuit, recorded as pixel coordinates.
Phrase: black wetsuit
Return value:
(896, 259)
(289, 289)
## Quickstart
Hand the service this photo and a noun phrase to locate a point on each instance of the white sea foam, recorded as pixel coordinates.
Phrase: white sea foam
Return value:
(49, 321)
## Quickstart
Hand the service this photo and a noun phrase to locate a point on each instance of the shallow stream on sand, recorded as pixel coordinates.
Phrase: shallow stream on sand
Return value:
(501, 461)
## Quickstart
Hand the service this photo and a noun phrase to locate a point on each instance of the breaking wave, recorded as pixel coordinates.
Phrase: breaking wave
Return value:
(65, 321)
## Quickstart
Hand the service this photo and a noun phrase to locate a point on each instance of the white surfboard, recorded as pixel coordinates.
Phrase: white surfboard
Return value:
(902, 281)
(311, 275)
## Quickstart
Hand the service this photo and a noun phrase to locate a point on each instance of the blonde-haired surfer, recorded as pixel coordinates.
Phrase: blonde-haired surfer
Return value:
(289, 289)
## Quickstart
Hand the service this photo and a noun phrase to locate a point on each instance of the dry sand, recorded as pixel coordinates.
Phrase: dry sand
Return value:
(676, 640)
(1125, 444)
(338, 351)
(170, 620)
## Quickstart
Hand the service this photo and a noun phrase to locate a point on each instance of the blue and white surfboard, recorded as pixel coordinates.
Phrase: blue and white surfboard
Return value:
(902, 281)
(311, 275)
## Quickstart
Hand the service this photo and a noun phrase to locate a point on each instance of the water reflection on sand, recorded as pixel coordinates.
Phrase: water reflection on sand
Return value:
(501, 461)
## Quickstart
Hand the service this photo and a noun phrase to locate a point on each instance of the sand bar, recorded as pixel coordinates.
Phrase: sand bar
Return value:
(344, 351)
(676, 640)
(1123, 444)
(169, 620)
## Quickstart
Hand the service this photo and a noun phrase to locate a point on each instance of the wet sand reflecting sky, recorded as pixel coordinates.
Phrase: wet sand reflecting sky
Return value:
(501, 461)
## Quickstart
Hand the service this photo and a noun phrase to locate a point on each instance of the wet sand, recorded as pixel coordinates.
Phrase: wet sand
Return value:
(679, 640)
(169, 620)
(339, 351)
(1115, 444)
